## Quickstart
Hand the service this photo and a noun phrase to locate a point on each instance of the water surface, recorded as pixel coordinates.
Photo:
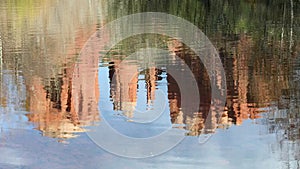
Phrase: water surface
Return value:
(51, 95)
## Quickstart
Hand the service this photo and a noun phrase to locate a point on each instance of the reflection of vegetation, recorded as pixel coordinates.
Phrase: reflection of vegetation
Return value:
(212, 16)
(267, 23)
(24, 9)
(130, 45)
(38, 35)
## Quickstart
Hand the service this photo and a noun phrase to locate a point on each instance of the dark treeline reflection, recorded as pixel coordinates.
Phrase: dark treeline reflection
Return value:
(258, 42)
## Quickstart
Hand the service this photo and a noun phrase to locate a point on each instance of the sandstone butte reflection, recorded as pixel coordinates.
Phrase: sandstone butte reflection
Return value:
(49, 36)
(70, 102)
(237, 108)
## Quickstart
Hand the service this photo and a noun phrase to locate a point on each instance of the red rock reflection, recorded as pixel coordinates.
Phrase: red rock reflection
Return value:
(70, 102)
(64, 104)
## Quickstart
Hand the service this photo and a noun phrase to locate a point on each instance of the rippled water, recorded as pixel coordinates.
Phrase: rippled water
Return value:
(52, 94)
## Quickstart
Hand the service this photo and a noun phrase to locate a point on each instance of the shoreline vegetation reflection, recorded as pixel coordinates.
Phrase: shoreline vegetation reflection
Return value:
(44, 82)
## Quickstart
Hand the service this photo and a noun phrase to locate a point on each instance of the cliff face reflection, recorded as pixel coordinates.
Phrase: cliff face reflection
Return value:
(67, 103)
(238, 107)
(58, 101)
(47, 87)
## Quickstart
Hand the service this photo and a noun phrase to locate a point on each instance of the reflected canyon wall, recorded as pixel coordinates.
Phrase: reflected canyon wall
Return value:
(58, 98)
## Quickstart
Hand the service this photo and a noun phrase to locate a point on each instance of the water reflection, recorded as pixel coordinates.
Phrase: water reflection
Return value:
(56, 106)
(239, 106)
(46, 87)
